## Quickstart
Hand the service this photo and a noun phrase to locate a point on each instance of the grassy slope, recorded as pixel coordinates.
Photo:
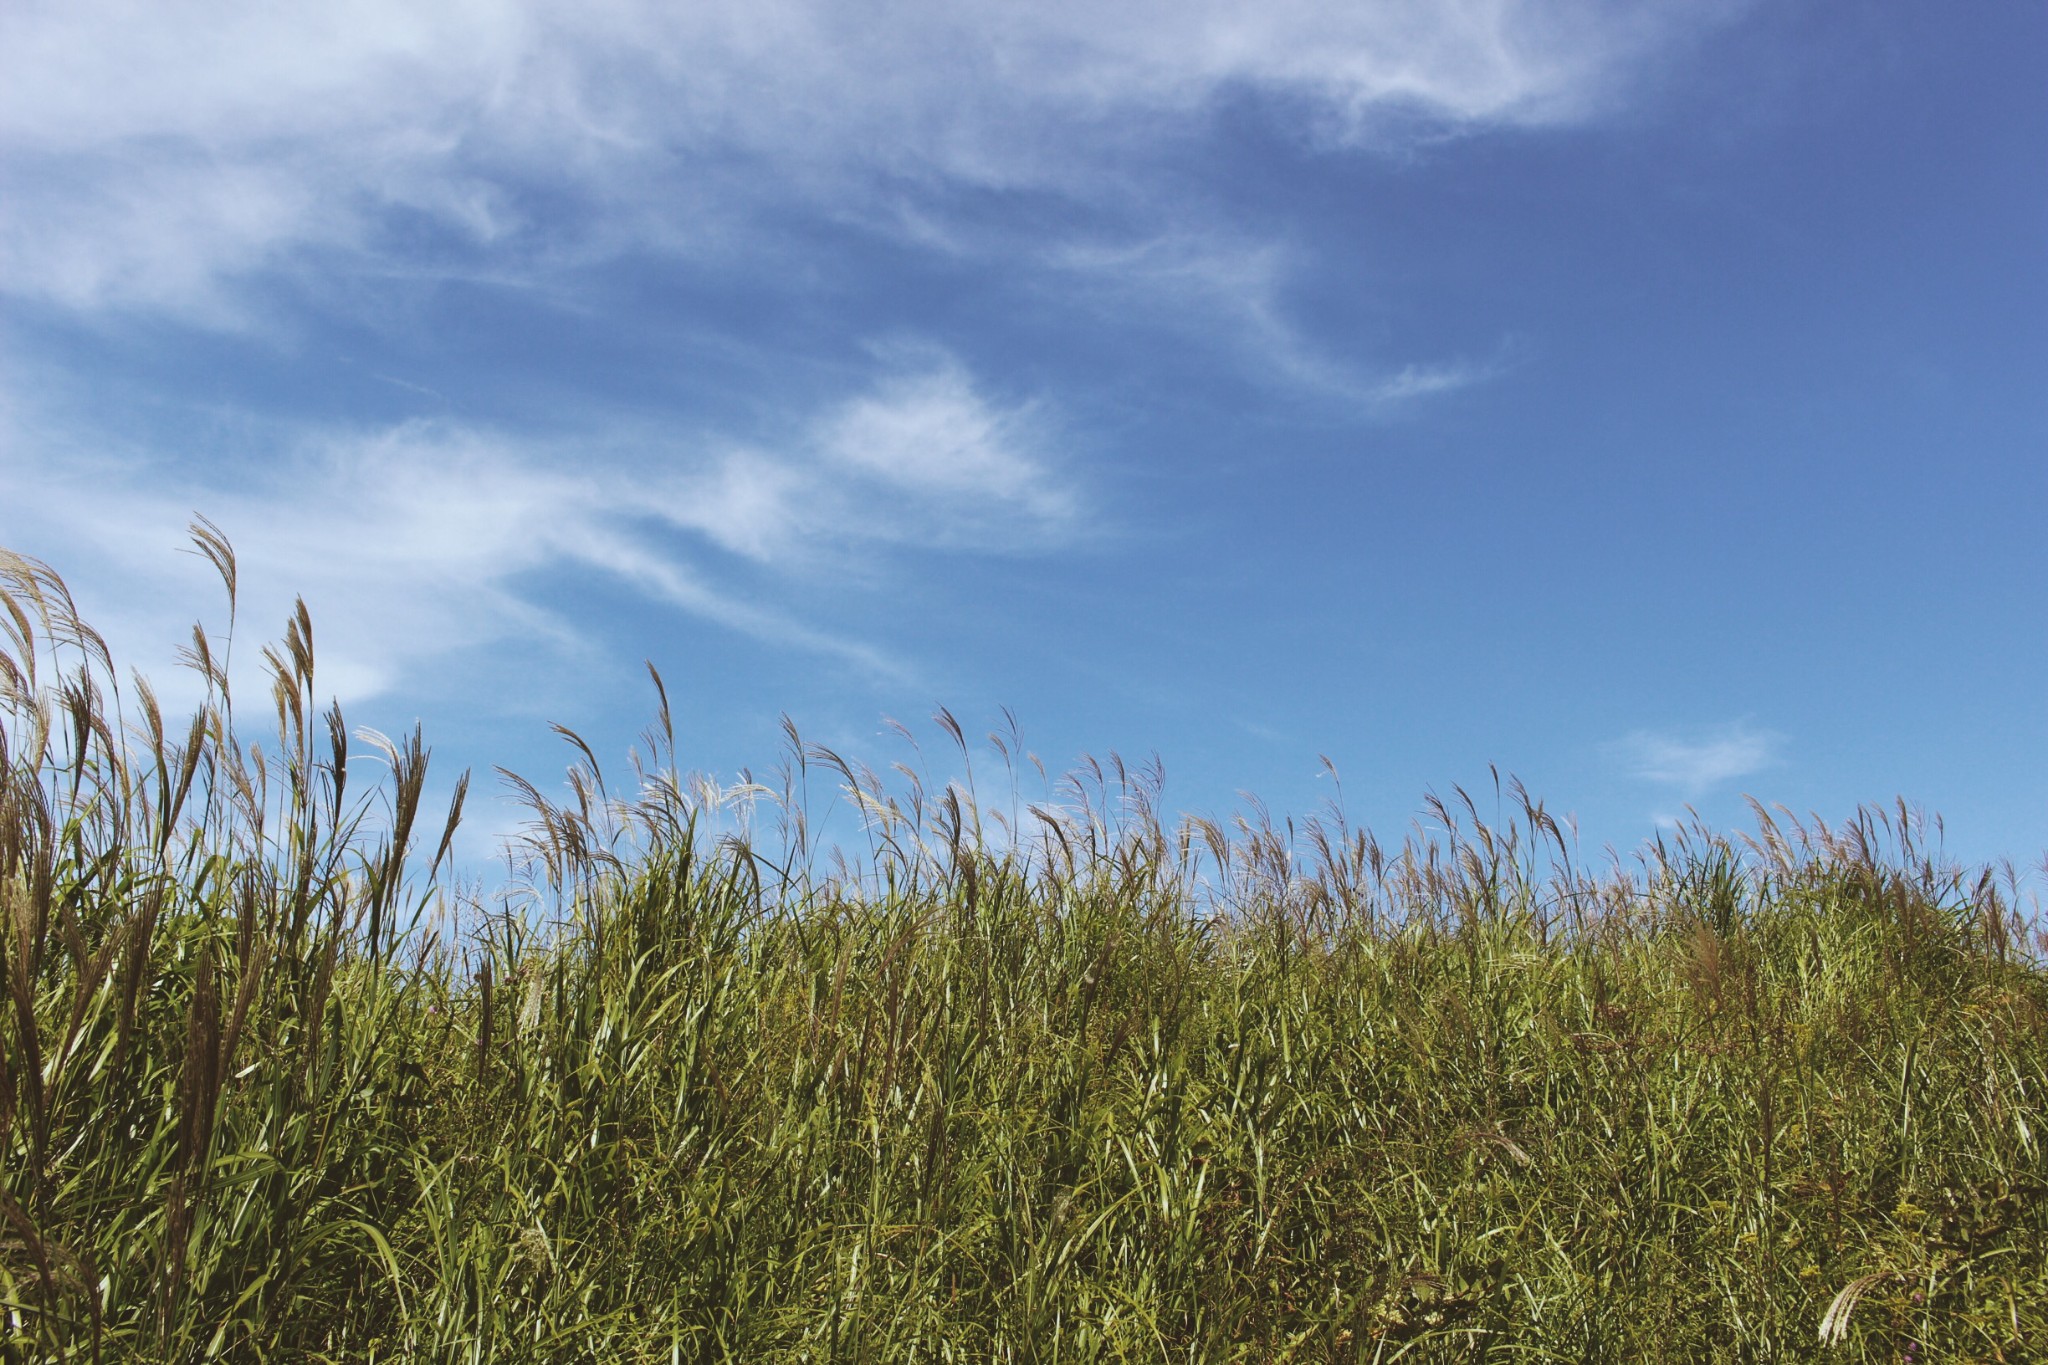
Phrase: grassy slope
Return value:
(1109, 1092)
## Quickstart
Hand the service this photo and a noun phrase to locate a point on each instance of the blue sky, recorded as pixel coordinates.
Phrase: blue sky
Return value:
(1645, 399)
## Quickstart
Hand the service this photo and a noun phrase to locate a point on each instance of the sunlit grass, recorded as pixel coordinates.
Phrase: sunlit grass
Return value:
(1008, 1082)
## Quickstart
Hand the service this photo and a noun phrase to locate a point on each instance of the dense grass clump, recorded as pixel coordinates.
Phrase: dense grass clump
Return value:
(1053, 1083)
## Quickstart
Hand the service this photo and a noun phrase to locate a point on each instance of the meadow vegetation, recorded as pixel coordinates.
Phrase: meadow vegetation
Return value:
(1010, 1080)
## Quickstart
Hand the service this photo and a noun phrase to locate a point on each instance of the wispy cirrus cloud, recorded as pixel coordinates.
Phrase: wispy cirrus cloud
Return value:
(922, 459)
(427, 537)
(159, 155)
(1233, 287)
(1693, 763)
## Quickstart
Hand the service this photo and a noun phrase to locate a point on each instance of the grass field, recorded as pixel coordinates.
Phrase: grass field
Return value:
(1007, 1083)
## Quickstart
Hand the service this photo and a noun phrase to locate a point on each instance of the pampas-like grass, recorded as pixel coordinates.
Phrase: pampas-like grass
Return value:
(1012, 1081)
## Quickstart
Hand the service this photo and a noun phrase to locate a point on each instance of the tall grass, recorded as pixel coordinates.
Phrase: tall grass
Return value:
(1011, 1082)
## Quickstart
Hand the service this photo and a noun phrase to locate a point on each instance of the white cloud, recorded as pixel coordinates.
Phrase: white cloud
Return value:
(1697, 762)
(419, 539)
(1420, 381)
(158, 235)
(933, 439)
(922, 459)
(407, 542)
(748, 501)
(1238, 289)
(161, 152)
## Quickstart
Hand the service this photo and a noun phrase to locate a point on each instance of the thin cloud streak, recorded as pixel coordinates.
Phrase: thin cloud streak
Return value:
(1235, 288)
(1697, 763)
(421, 539)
